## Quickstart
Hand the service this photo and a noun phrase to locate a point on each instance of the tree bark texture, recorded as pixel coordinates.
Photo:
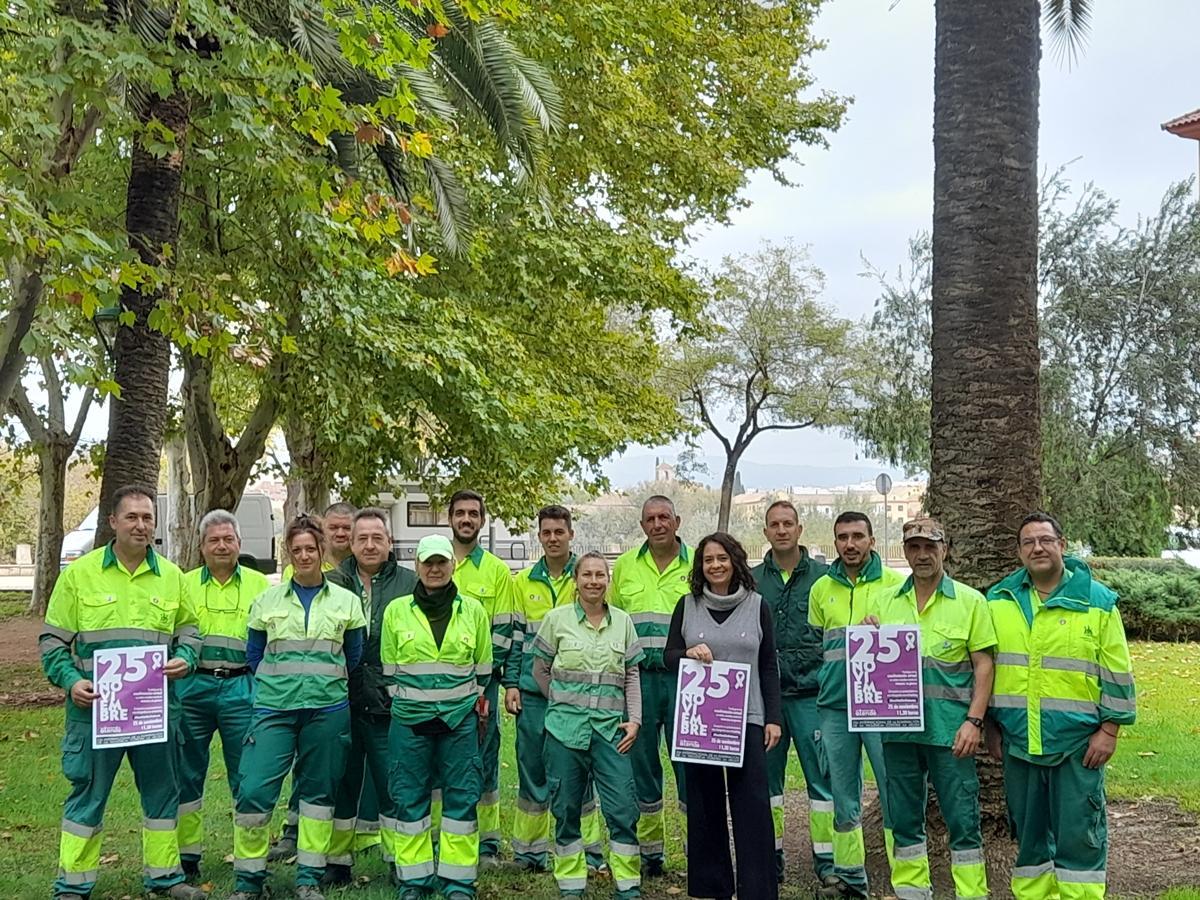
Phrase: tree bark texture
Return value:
(986, 432)
(183, 539)
(53, 457)
(138, 419)
(308, 481)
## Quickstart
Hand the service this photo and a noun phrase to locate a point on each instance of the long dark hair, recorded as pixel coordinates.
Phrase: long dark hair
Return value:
(737, 556)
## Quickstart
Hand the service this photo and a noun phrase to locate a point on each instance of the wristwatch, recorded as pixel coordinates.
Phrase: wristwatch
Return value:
(976, 721)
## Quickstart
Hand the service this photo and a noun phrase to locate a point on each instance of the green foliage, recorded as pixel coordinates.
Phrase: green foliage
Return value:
(1120, 366)
(1157, 605)
(1138, 564)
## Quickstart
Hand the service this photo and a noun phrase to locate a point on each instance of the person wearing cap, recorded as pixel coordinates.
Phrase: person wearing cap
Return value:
(586, 664)
(486, 578)
(372, 573)
(436, 650)
(957, 644)
(303, 638)
(785, 579)
(1064, 687)
(840, 598)
(220, 696)
(647, 583)
(546, 585)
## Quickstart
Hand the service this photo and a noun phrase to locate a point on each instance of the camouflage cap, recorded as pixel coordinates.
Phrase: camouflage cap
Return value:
(924, 527)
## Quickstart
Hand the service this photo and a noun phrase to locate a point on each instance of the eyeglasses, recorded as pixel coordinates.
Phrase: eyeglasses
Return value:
(1043, 541)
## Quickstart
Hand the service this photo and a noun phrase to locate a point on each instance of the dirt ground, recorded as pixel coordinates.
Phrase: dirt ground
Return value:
(1153, 844)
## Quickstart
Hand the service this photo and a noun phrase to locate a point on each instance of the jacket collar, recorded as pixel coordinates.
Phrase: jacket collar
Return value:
(872, 570)
(110, 557)
(206, 576)
(541, 572)
(1074, 592)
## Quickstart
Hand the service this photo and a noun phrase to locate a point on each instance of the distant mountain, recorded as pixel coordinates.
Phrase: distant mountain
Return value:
(631, 470)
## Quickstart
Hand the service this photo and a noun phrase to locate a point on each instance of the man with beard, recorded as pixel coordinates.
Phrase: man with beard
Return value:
(484, 577)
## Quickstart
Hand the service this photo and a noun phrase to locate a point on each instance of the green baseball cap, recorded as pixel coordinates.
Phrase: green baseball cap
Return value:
(434, 545)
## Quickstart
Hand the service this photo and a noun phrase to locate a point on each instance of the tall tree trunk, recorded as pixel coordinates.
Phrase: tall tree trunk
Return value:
(985, 471)
(183, 543)
(52, 478)
(309, 481)
(986, 438)
(138, 418)
(728, 478)
(26, 284)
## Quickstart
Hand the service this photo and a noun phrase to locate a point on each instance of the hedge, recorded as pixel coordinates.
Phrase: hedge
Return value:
(1160, 598)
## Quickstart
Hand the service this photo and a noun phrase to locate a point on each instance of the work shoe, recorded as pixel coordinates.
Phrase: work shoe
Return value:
(308, 892)
(336, 875)
(282, 850)
(832, 886)
(653, 868)
(191, 869)
(489, 861)
(599, 870)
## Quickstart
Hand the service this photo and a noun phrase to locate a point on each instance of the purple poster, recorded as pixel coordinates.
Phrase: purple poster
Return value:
(883, 678)
(131, 706)
(710, 713)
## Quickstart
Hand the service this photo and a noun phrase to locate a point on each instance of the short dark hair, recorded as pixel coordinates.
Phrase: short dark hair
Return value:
(554, 511)
(742, 577)
(851, 516)
(304, 524)
(341, 508)
(134, 490)
(374, 512)
(459, 496)
(784, 503)
(1039, 516)
(658, 498)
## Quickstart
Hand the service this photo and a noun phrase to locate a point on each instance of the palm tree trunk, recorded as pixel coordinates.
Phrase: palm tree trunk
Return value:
(986, 433)
(138, 419)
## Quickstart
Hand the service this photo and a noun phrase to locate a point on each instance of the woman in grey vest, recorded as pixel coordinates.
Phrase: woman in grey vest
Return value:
(724, 618)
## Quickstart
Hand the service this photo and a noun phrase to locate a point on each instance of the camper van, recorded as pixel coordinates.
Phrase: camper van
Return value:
(255, 518)
(413, 517)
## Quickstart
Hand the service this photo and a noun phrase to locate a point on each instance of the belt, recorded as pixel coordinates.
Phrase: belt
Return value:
(224, 673)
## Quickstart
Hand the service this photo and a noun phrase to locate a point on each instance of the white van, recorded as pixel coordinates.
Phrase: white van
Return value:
(256, 520)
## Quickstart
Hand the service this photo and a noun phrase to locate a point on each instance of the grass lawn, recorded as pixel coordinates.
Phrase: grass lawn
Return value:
(1160, 757)
(13, 603)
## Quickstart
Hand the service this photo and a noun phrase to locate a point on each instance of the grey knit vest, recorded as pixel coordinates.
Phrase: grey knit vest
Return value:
(737, 639)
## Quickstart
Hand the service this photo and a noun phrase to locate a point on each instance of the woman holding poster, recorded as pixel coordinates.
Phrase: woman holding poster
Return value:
(724, 620)
(586, 659)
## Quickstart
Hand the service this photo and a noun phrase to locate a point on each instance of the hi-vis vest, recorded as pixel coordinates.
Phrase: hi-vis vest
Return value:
(1062, 668)
(303, 668)
(535, 594)
(650, 596)
(223, 610)
(427, 681)
(834, 603)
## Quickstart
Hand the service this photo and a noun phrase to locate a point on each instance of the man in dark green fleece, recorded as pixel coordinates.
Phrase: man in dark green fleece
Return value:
(371, 571)
(784, 578)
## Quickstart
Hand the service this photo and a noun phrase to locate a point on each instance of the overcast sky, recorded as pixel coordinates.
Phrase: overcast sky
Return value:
(873, 187)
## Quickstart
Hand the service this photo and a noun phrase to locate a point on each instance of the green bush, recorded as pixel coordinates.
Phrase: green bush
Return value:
(1139, 564)
(1157, 604)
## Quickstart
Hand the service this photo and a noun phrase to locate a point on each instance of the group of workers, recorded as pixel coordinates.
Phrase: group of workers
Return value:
(379, 689)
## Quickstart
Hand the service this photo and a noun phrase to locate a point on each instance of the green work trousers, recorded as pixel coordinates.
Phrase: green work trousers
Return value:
(532, 826)
(570, 774)
(418, 762)
(911, 767)
(1060, 817)
(91, 773)
(843, 753)
(210, 705)
(658, 723)
(366, 764)
(802, 729)
(317, 741)
(488, 809)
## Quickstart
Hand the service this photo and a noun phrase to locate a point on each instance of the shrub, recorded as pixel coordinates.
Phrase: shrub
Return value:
(1157, 603)
(1139, 564)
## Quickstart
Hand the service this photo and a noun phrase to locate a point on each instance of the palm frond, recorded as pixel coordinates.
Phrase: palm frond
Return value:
(1068, 22)
(429, 93)
(449, 203)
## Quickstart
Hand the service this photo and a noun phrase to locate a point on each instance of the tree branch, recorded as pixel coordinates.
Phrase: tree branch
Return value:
(54, 396)
(698, 399)
(30, 420)
(85, 405)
